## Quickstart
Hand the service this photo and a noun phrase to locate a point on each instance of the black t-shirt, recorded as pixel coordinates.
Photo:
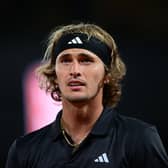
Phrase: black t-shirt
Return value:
(115, 141)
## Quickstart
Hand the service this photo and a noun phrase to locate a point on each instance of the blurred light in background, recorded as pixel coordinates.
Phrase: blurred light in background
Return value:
(39, 108)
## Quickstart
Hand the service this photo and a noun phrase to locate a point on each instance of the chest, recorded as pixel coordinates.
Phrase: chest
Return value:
(104, 152)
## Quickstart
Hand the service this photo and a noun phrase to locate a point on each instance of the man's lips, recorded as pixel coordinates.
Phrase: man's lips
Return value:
(76, 83)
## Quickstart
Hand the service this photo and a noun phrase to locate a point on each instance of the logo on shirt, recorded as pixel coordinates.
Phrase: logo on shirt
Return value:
(75, 40)
(103, 158)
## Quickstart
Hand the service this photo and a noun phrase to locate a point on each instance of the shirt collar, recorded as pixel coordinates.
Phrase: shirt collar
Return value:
(100, 128)
(56, 127)
(104, 122)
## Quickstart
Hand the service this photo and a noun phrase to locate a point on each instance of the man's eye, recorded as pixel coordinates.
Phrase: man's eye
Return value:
(86, 61)
(65, 61)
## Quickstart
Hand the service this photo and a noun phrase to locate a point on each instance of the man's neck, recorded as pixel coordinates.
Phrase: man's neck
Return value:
(79, 118)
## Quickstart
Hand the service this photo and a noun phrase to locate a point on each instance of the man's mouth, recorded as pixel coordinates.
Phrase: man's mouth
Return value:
(76, 85)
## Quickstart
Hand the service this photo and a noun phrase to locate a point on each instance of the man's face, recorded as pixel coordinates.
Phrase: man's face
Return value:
(80, 75)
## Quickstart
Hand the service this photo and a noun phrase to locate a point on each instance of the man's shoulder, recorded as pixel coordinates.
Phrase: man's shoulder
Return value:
(132, 129)
(41, 135)
(28, 145)
(34, 137)
(133, 124)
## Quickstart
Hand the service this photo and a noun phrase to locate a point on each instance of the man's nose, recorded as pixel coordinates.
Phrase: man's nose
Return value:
(75, 69)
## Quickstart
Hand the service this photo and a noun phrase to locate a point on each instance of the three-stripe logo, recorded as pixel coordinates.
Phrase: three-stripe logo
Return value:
(102, 159)
(75, 40)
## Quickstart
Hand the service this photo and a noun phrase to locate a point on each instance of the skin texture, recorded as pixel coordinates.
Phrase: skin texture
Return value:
(80, 75)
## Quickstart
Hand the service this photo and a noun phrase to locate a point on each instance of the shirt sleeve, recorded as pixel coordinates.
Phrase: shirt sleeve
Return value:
(149, 150)
(12, 160)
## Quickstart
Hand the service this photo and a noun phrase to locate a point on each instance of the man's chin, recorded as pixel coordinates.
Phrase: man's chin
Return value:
(76, 99)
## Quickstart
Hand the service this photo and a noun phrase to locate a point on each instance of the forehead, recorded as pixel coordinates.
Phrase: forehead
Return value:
(77, 52)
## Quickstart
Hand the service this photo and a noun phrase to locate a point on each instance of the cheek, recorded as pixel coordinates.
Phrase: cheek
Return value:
(60, 72)
(59, 77)
(98, 76)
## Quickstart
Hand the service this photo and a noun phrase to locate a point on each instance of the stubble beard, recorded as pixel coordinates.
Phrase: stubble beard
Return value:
(84, 98)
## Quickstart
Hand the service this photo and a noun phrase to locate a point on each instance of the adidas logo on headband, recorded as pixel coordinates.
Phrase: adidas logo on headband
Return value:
(75, 40)
(82, 41)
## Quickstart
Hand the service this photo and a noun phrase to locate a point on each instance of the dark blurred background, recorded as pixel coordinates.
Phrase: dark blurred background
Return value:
(140, 28)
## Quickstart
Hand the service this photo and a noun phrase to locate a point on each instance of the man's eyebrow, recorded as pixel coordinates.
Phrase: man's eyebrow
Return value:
(64, 55)
(79, 54)
(85, 55)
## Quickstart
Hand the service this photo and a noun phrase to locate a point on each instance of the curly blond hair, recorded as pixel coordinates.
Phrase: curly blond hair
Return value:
(116, 71)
